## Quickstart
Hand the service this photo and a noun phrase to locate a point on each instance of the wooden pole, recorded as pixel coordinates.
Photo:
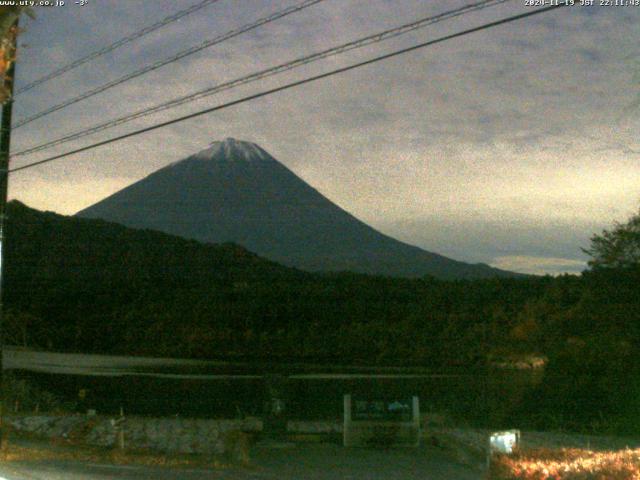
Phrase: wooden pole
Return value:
(5, 146)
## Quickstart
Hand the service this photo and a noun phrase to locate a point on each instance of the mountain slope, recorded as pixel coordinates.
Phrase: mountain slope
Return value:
(87, 285)
(94, 286)
(236, 192)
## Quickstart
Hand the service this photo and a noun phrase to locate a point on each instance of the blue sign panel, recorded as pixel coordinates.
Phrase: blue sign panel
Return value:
(392, 410)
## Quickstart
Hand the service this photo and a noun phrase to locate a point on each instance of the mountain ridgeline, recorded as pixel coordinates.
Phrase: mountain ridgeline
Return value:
(235, 191)
(88, 285)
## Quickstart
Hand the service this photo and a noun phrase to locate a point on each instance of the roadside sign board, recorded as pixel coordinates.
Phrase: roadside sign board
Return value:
(381, 421)
(504, 443)
(393, 410)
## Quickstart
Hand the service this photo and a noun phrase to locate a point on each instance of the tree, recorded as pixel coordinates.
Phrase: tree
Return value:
(8, 33)
(618, 247)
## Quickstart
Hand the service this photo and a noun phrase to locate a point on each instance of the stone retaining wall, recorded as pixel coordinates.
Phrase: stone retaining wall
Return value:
(321, 426)
(175, 435)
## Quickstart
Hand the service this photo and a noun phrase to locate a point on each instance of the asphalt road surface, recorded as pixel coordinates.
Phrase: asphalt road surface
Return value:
(299, 462)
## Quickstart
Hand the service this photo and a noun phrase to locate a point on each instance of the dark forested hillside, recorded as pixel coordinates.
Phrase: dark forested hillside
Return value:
(89, 285)
(93, 286)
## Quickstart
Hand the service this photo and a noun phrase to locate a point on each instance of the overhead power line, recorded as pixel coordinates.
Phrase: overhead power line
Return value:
(123, 41)
(314, 78)
(284, 67)
(174, 58)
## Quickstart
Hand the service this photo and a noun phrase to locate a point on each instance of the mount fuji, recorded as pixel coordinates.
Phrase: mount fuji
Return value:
(234, 191)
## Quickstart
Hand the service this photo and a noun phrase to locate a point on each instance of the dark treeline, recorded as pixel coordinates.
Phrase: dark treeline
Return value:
(91, 286)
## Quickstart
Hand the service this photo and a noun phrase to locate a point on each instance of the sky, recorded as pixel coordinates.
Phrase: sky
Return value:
(511, 146)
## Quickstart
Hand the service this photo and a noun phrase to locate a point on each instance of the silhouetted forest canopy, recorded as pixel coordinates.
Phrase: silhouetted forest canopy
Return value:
(92, 286)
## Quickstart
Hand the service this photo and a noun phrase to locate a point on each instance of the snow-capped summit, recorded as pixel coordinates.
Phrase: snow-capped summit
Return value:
(232, 149)
(234, 191)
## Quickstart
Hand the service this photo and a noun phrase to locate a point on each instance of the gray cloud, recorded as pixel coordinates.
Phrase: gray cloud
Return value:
(531, 122)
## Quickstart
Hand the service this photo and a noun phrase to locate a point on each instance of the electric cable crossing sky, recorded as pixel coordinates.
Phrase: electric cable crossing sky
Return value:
(281, 68)
(288, 86)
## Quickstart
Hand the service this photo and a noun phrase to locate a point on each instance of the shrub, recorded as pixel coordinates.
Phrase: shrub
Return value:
(566, 464)
(29, 397)
(237, 447)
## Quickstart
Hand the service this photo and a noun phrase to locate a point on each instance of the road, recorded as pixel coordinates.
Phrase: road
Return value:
(18, 358)
(299, 462)
(82, 471)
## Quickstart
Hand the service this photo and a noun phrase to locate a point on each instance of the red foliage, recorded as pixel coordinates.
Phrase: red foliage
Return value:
(566, 464)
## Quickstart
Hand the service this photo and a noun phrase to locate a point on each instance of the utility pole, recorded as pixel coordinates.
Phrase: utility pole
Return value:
(5, 145)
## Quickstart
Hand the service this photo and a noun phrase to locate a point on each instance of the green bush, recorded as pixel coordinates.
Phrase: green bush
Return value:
(23, 396)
